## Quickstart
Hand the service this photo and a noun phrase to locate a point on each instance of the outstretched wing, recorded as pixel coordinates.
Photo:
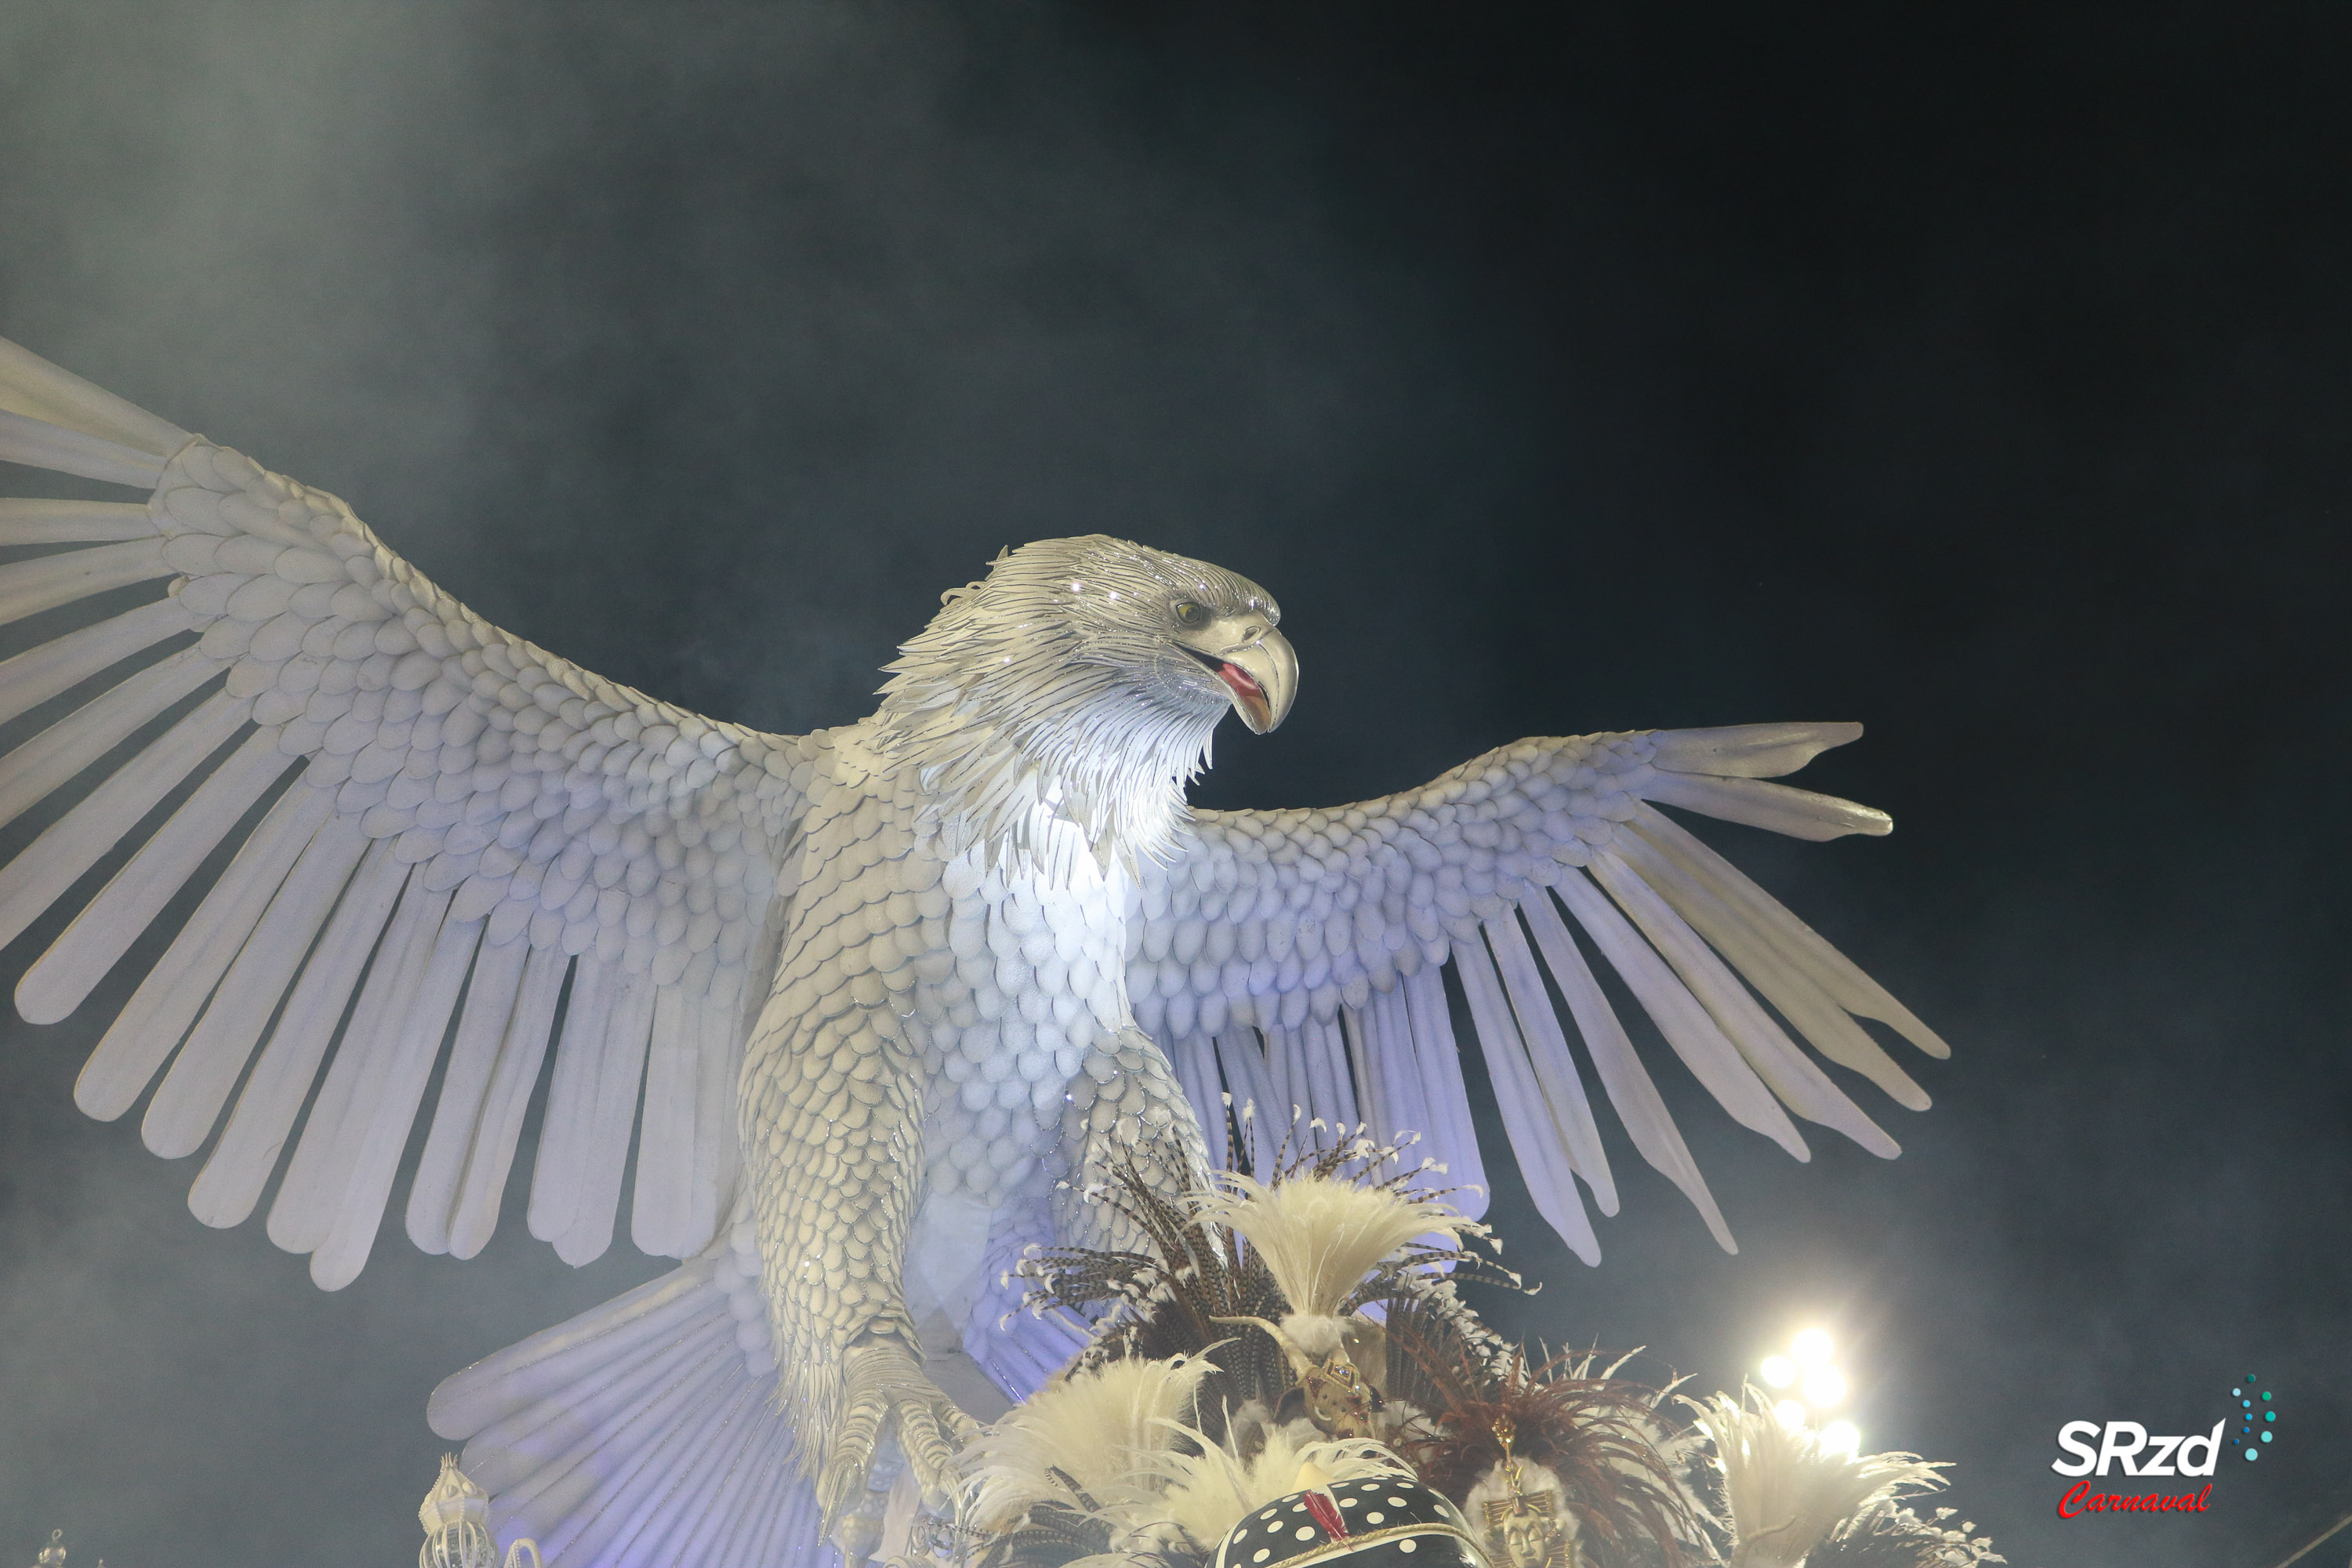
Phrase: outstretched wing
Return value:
(435, 833)
(1293, 958)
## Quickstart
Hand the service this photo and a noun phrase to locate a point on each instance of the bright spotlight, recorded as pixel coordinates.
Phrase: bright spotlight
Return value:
(1779, 1372)
(1813, 1348)
(1791, 1413)
(1841, 1437)
(1822, 1388)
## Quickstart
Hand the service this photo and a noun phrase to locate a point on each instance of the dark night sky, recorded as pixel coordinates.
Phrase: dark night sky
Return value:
(1985, 377)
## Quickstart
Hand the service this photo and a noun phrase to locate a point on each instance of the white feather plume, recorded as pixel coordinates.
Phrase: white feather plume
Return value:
(1320, 1235)
(1786, 1488)
(1098, 1428)
(1204, 1494)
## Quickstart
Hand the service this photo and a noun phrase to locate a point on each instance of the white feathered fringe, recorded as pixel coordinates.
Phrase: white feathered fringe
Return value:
(1786, 1490)
(1095, 1427)
(1319, 1236)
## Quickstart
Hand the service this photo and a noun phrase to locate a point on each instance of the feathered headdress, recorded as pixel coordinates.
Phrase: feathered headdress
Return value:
(1325, 1239)
(1199, 1279)
(1603, 1442)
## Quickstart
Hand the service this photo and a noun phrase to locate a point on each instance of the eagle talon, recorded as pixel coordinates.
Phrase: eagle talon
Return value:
(886, 1394)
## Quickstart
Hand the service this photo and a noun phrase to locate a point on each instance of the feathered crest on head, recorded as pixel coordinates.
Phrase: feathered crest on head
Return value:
(1786, 1492)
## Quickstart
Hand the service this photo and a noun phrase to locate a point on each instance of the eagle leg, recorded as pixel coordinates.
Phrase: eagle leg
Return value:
(1124, 1103)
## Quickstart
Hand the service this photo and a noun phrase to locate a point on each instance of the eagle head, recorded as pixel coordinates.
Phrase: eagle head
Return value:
(1087, 675)
(1180, 634)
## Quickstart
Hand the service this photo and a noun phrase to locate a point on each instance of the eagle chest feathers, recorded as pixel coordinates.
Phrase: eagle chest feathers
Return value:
(926, 1037)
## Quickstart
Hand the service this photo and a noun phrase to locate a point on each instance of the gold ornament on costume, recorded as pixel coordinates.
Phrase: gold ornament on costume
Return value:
(1520, 1507)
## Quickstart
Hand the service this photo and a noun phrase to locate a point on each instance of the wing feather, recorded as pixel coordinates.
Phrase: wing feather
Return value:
(1687, 1026)
(1442, 1090)
(181, 1114)
(71, 845)
(156, 1018)
(1364, 1067)
(1832, 971)
(1776, 808)
(62, 977)
(33, 771)
(41, 444)
(489, 1003)
(560, 1174)
(1345, 918)
(377, 1124)
(1324, 1049)
(491, 1155)
(1791, 1076)
(1195, 1061)
(1290, 1097)
(34, 676)
(32, 387)
(1259, 1104)
(716, 1153)
(460, 789)
(1548, 1054)
(1828, 1026)
(605, 1150)
(1536, 1137)
(1622, 1077)
(663, 1205)
(230, 1183)
(310, 1194)
(72, 522)
(46, 582)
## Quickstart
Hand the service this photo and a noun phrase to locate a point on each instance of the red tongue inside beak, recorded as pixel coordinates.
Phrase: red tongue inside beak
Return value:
(1255, 707)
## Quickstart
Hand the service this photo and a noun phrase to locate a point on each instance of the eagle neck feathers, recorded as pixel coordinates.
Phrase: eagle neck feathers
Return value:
(1015, 722)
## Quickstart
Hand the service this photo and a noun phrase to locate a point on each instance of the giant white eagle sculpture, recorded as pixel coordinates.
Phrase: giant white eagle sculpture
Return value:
(875, 1006)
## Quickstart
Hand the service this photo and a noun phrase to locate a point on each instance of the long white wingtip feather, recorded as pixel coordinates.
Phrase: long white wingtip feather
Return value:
(39, 443)
(1822, 964)
(33, 387)
(73, 522)
(1748, 750)
(1777, 808)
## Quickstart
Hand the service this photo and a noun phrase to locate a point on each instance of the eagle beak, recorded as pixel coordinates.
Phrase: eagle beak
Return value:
(1257, 664)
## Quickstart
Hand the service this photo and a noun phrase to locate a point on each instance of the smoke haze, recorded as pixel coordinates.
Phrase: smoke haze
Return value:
(1981, 379)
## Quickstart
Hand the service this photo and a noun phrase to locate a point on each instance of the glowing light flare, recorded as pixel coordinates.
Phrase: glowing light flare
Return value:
(1779, 1371)
(1823, 1387)
(1841, 1437)
(1791, 1413)
(1811, 1348)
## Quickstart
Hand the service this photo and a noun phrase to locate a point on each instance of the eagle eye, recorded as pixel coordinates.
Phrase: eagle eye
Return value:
(1189, 616)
